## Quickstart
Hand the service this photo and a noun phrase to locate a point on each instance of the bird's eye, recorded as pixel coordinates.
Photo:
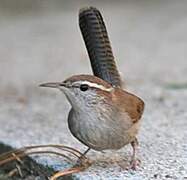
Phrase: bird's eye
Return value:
(84, 87)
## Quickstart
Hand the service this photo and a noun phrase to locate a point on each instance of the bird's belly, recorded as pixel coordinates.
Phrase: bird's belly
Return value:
(98, 134)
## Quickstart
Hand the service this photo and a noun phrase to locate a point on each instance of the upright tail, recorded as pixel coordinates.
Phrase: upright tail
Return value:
(98, 45)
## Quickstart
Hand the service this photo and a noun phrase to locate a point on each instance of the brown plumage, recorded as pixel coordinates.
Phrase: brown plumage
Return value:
(124, 100)
(129, 103)
(90, 78)
(103, 115)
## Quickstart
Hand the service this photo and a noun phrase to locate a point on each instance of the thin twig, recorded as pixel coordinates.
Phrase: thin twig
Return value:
(67, 172)
(41, 149)
(17, 158)
(12, 172)
(12, 155)
(19, 170)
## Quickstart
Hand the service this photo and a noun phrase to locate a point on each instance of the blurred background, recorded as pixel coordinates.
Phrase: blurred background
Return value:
(40, 41)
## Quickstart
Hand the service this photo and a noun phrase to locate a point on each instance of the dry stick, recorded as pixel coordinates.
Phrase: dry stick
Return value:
(55, 146)
(7, 154)
(11, 157)
(19, 170)
(17, 158)
(61, 147)
(50, 152)
(24, 149)
(17, 154)
(12, 172)
(67, 172)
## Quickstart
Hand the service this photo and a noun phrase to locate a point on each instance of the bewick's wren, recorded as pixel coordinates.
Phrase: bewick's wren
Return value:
(103, 116)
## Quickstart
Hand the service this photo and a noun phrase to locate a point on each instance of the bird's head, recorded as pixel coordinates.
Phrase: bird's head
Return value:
(83, 90)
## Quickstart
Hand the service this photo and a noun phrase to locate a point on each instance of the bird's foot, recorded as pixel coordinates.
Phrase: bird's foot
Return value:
(134, 164)
(82, 161)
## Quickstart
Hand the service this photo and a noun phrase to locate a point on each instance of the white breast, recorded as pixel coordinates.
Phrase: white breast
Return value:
(98, 130)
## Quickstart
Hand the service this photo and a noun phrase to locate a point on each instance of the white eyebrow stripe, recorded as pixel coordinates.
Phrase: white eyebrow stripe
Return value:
(99, 86)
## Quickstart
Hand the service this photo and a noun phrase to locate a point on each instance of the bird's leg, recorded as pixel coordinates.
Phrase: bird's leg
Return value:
(134, 161)
(85, 152)
(81, 159)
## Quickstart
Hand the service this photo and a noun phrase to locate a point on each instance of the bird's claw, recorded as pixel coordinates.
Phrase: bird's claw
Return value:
(134, 164)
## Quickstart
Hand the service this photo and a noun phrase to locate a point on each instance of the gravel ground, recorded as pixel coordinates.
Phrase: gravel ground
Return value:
(41, 42)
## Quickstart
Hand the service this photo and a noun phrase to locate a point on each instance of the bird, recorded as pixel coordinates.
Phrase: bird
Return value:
(103, 115)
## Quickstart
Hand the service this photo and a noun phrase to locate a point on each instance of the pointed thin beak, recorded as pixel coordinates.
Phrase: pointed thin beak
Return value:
(52, 84)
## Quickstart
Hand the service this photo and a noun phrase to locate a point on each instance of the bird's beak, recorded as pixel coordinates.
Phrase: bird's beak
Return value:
(53, 84)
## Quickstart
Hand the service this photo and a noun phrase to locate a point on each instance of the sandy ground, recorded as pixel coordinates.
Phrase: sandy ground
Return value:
(41, 42)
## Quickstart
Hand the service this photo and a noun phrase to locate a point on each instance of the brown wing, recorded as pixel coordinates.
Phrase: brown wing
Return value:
(129, 103)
